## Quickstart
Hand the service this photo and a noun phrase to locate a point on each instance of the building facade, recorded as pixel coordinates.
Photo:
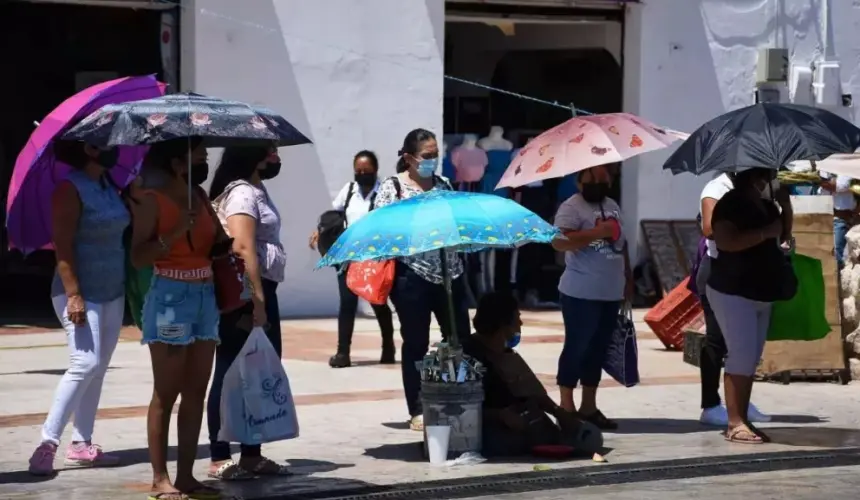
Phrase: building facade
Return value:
(359, 74)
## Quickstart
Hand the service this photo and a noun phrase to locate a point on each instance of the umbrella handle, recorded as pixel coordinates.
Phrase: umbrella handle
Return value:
(453, 340)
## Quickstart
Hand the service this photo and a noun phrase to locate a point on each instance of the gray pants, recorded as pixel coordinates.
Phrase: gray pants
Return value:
(744, 324)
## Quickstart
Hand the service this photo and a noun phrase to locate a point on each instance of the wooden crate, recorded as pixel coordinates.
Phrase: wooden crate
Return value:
(813, 230)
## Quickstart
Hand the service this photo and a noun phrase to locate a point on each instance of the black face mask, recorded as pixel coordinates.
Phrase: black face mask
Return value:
(198, 174)
(365, 180)
(107, 159)
(595, 192)
(271, 171)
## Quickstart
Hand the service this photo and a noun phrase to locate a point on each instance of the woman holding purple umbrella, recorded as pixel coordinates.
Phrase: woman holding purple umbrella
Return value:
(88, 293)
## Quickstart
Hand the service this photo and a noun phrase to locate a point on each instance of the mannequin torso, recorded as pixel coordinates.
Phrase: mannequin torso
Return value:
(469, 160)
(495, 140)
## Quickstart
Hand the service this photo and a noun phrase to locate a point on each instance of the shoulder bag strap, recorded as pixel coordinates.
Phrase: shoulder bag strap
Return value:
(397, 187)
(348, 196)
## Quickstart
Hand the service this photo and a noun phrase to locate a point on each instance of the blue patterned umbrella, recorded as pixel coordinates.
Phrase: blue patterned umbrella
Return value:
(466, 222)
(436, 220)
(220, 123)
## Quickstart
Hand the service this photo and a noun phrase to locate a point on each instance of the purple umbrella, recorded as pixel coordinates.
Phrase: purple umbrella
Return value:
(37, 172)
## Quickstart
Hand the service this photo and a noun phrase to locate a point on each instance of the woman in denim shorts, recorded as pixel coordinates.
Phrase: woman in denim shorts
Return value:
(180, 315)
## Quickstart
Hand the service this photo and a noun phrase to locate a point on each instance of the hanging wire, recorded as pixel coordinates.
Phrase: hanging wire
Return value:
(250, 24)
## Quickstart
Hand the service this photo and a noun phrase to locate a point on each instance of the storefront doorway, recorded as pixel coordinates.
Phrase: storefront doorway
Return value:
(52, 49)
(572, 56)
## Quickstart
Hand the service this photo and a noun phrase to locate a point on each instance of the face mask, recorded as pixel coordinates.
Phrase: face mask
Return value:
(513, 341)
(271, 171)
(199, 172)
(426, 168)
(595, 192)
(365, 180)
(107, 159)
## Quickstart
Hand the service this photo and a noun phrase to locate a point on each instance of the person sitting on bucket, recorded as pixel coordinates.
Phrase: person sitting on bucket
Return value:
(516, 404)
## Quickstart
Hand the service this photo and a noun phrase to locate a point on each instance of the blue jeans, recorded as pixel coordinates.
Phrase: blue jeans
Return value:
(415, 300)
(588, 328)
(179, 312)
(840, 229)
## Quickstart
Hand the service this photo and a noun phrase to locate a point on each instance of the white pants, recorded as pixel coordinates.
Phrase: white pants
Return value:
(91, 346)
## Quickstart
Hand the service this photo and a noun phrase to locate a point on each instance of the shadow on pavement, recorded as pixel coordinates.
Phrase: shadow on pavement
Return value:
(23, 477)
(400, 426)
(659, 426)
(402, 452)
(820, 437)
(797, 419)
(414, 453)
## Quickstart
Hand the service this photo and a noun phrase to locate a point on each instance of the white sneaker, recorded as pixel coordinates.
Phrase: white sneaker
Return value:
(715, 415)
(755, 416)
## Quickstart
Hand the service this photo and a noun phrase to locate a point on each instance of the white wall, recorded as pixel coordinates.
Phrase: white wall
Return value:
(687, 61)
(358, 76)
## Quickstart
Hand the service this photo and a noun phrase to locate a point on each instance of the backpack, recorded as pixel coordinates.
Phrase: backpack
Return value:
(332, 223)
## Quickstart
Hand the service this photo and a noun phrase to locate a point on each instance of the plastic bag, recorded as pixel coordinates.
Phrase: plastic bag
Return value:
(802, 317)
(371, 280)
(256, 401)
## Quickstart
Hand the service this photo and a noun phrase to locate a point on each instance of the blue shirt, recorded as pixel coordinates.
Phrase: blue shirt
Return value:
(98, 245)
(498, 159)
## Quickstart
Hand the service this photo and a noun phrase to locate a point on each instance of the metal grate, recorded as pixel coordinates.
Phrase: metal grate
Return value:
(489, 486)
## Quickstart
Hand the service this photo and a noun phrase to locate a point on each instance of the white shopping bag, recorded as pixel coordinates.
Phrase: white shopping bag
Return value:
(256, 402)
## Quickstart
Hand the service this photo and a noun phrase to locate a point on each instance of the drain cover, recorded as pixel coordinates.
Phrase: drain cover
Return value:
(578, 477)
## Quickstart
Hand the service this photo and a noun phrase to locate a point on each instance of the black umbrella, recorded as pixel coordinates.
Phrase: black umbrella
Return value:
(764, 135)
(220, 123)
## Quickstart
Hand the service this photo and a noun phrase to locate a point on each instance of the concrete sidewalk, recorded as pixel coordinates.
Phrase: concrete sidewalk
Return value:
(353, 431)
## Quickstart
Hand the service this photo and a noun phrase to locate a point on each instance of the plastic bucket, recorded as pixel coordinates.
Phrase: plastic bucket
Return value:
(459, 407)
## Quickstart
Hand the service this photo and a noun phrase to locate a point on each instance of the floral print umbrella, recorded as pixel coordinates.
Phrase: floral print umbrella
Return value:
(584, 142)
(220, 123)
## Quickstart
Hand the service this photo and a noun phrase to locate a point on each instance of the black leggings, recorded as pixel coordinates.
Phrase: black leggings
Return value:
(346, 317)
(232, 340)
(711, 358)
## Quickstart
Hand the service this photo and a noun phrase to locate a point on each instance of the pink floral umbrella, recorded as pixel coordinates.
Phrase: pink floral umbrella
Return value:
(584, 142)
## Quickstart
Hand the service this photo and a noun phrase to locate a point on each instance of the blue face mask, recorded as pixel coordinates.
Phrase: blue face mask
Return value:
(427, 167)
(514, 341)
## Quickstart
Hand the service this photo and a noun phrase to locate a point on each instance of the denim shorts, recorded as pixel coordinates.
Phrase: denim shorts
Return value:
(179, 312)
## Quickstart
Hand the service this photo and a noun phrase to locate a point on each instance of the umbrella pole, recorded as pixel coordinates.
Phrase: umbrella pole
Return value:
(453, 340)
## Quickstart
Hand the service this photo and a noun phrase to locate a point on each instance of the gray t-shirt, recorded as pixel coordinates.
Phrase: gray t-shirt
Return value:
(595, 272)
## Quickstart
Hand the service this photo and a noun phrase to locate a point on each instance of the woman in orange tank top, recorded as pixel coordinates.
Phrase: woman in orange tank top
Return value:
(180, 315)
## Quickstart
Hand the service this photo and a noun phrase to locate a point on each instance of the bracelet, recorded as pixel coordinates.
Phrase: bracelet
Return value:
(164, 245)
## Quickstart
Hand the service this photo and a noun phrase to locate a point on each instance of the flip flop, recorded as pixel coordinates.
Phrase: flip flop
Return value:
(735, 436)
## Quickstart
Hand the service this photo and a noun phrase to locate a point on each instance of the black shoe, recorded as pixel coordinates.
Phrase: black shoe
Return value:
(340, 360)
(388, 355)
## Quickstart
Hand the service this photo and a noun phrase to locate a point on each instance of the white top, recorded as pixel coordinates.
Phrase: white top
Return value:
(358, 205)
(241, 197)
(715, 189)
(843, 198)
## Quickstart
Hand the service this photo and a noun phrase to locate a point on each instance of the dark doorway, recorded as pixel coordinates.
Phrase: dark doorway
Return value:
(48, 49)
